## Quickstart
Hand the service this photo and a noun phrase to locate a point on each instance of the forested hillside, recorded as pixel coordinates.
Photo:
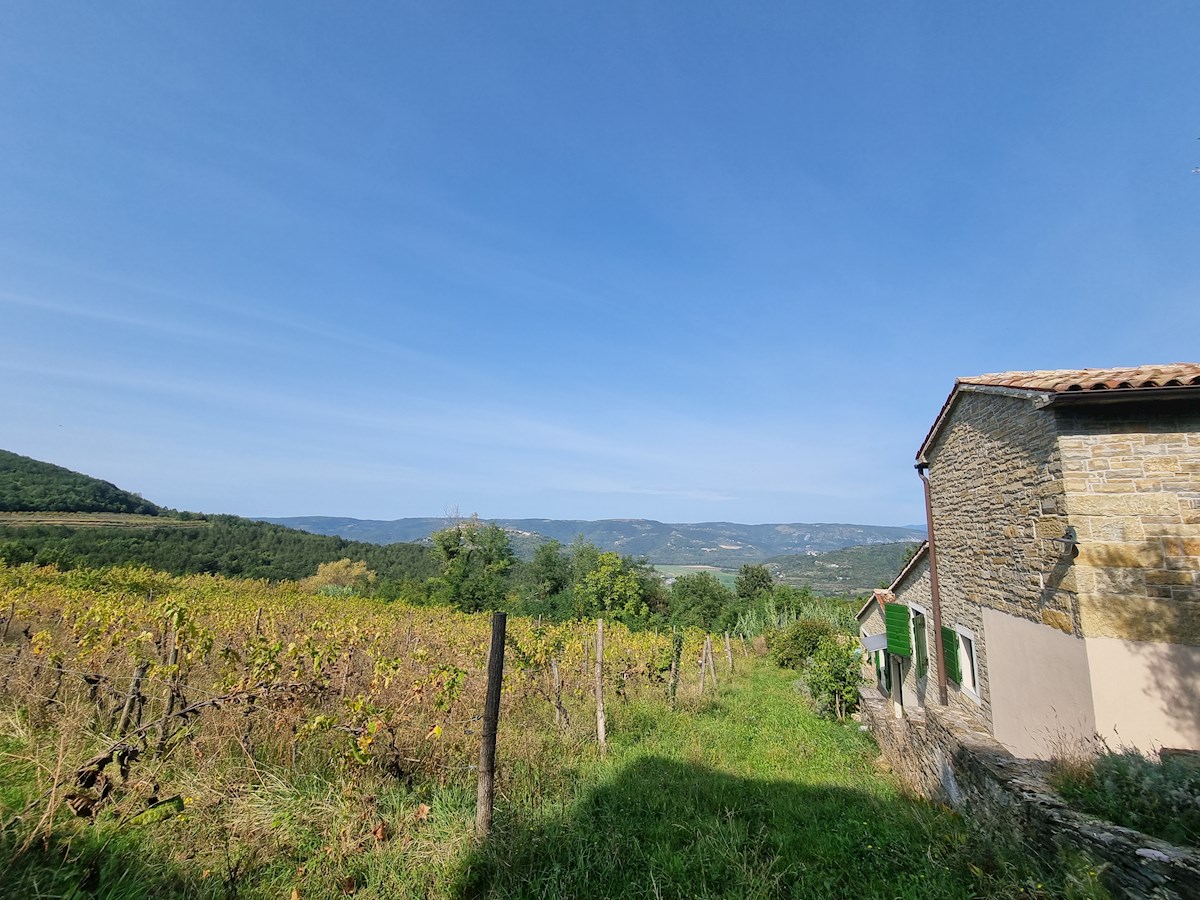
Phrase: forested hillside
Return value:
(184, 543)
(29, 485)
(225, 545)
(849, 572)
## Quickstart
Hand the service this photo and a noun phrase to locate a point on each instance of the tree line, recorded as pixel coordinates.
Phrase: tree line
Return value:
(470, 566)
(478, 570)
(218, 545)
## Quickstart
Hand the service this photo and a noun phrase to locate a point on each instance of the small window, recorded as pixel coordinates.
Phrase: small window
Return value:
(967, 663)
(883, 671)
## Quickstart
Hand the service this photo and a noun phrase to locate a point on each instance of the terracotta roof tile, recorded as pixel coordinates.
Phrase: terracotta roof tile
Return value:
(1061, 380)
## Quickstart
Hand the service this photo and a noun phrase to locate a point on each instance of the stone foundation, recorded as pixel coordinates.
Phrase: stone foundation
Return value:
(944, 756)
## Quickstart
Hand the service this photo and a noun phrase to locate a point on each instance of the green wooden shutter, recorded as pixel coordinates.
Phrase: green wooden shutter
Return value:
(899, 637)
(920, 646)
(950, 652)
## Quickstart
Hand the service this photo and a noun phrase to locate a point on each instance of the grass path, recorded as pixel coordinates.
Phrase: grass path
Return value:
(753, 796)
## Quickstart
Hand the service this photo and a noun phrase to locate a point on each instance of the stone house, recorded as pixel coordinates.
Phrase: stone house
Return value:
(1058, 595)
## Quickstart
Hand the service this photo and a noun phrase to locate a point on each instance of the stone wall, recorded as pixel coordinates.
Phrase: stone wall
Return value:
(947, 757)
(997, 494)
(1132, 491)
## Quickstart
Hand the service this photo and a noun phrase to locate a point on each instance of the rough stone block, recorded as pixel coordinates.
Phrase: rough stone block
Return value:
(1119, 581)
(1139, 619)
(1180, 546)
(1124, 505)
(1124, 555)
(1056, 618)
(1047, 527)
(1154, 463)
(1169, 576)
(1115, 528)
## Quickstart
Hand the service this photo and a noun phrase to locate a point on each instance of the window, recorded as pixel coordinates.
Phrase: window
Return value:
(969, 679)
(920, 643)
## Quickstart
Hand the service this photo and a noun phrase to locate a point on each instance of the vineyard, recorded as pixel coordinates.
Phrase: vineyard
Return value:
(96, 520)
(152, 687)
(206, 737)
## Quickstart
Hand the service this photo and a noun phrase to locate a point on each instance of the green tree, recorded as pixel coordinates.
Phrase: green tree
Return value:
(585, 557)
(753, 582)
(476, 560)
(549, 572)
(612, 589)
(544, 583)
(699, 599)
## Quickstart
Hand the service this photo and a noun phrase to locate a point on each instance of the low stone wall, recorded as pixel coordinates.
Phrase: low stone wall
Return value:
(943, 756)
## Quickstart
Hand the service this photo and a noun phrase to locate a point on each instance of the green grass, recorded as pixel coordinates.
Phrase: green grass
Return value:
(747, 794)
(752, 796)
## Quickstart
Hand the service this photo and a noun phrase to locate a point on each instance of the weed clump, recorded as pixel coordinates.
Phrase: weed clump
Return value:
(1160, 797)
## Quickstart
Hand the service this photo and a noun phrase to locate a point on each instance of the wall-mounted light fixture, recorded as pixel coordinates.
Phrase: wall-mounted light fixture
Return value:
(1070, 540)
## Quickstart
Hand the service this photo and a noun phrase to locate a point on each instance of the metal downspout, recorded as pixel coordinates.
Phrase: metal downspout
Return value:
(934, 593)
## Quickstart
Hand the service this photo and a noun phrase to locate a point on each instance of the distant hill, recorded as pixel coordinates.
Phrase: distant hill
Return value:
(851, 571)
(49, 514)
(29, 485)
(706, 543)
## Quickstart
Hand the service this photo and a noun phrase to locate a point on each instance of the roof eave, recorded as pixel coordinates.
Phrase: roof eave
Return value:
(1124, 395)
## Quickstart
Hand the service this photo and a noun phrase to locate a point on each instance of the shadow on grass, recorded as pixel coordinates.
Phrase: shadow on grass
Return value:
(88, 865)
(664, 828)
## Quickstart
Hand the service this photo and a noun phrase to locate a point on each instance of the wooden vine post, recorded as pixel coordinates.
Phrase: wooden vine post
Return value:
(600, 723)
(173, 687)
(728, 652)
(491, 719)
(135, 696)
(676, 653)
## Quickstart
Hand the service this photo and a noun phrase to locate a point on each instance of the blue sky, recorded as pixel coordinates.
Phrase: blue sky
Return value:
(682, 261)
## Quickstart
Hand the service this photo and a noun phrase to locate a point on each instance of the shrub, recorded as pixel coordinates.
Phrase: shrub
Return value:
(1161, 798)
(834, 674)
(792, 647)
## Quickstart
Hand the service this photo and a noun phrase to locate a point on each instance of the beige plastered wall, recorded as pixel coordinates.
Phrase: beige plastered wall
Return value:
(1041, 689)
(1145, 694)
